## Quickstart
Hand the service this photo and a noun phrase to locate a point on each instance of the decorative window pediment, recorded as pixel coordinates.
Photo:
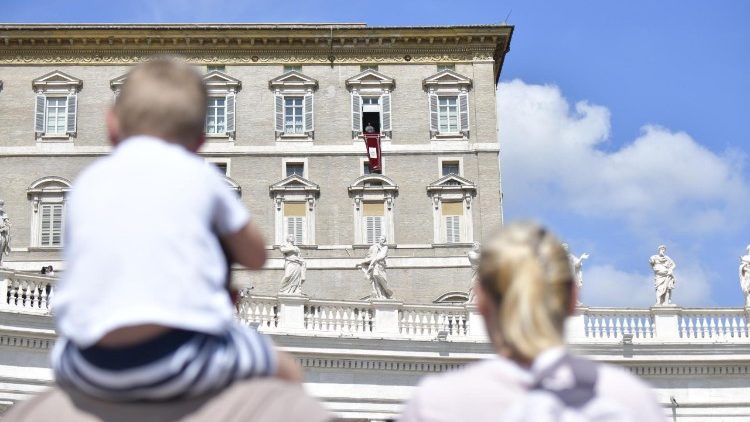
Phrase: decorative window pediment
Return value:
(57, 81)
(448, 104)
(447, 79)
(452, 196)
(293, 80)
(234, 186)
(373, 200)
(452, 298)
(47, 196)
(370, 80)
(117, 83)
(293, 105)
(218, 80)
(371, 102)
(294, 200)
(220, 115)
(55, 105)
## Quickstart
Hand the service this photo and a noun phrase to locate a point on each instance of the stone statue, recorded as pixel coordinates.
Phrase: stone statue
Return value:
(576, 264)
(294, 268)
(664, 280)
(745, 275)
(374, 268)
(4, 233)
(474, 254)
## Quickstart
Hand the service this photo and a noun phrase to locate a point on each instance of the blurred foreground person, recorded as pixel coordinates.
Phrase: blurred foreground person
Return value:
(526, 290)
(160, 327)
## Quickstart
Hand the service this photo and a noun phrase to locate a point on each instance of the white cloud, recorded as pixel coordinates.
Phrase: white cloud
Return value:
(552, 154)
(605, 285)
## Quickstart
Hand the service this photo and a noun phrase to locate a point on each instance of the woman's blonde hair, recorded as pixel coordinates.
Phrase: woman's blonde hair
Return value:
(526, 273)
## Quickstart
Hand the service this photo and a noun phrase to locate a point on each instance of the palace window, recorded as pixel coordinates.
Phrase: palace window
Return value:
(448, 104)
(215, 67)
(55, 111)
(294, 115)
(294, 221)
(452, 197)
(371, 102)
(295, 200)
(373, 199)
(292, 67)
(448, 114)
(293, 105)
(364, 67)
(295, 168)
(216, 116)
(220, 115)
(47, 198)
(446, 66)
(450, 167)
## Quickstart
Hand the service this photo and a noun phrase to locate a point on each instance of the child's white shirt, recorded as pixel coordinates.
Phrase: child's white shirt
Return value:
(140, 243)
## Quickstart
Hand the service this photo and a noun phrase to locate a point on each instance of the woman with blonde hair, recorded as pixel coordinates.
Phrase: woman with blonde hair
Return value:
(526, 290)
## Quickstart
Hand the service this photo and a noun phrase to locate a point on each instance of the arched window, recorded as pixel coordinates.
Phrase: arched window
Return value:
(452, 298)
(47, 197)
(452, 196)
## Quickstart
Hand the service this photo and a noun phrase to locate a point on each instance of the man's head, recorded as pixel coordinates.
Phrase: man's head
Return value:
(662, 250)
(163, 97)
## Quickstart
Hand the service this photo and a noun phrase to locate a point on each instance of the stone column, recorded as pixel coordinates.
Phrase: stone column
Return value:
(4, 284)
(666, 322)
(386, 317)
(292, 312)
(575, 325)
(476, 321)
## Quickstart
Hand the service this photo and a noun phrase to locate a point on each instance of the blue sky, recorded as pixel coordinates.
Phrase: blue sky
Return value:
(623, 124)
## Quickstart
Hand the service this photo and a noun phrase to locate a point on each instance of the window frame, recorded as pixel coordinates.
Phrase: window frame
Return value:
(294, 189)
(294, 84)
(373, 188)
(223, 132)
(47, 191)
(448, 159)
(53, 85)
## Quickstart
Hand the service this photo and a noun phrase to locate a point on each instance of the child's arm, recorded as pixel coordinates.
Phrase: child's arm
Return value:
(246, 247)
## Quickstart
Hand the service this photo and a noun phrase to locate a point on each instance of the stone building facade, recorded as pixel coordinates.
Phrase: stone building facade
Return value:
(288, 106)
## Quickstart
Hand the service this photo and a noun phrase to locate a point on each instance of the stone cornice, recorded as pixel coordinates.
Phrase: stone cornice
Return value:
(247, 44)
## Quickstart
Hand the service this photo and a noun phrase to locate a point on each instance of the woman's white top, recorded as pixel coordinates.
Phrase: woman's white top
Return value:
(141, 243)
(497, 389)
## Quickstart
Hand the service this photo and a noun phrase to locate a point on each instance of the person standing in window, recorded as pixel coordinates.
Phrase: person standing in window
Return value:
(369, 128)
(526, 290)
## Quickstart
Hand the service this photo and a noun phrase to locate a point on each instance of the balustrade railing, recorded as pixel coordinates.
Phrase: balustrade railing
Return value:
(32, 293)
(338, 317)
(614, 323)
(429, 321)
(27, 292)
(713, 324)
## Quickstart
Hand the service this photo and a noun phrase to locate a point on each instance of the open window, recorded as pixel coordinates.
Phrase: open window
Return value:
(371, 102)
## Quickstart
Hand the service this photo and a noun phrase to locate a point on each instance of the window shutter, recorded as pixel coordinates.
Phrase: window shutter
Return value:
(386, 100)
(229, 112)
(373, 229)
(72, 108)
(452, 229)
(463, 109)
(45, 231)
(57, 222)
(309, 127)
(433, 113)
(39, 121)
(356, 113)
(295, 227)
(279, 101)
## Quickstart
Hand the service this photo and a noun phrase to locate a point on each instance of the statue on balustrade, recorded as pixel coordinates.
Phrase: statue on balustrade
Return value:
(745, 275)
(576, 264)
(4, 233)
(664, 279)
(374, 268)
(474, 254)
(294, 268)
